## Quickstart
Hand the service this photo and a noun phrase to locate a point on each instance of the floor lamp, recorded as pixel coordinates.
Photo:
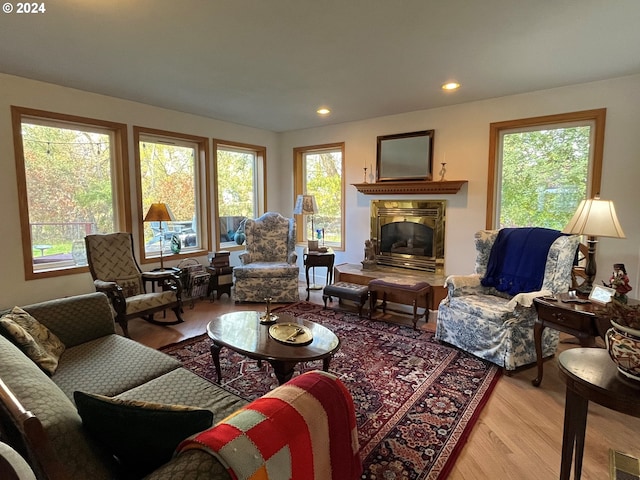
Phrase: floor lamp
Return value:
(159, 212)
(594, 218)
(306, 205)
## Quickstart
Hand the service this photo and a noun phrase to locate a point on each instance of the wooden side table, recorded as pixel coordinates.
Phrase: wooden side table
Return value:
(590, 375)
(577, 319)
(221, 281)
(313, 258)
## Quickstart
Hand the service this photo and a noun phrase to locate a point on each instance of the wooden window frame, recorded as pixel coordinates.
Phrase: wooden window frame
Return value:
(119, 179)
(598, 116)
(203, 195)
(260, 195)
(298, 170)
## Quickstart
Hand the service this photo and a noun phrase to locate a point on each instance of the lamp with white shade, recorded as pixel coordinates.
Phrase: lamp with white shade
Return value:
(594, 218)
(306, 205)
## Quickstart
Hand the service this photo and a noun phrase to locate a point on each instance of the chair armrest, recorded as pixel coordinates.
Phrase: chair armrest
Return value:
(158, 275)
(245, 258)
(106, 287)
(458, 285)
(526, 299)
(293, 258)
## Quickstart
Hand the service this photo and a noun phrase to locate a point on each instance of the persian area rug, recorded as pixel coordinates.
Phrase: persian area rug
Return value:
(416, 400)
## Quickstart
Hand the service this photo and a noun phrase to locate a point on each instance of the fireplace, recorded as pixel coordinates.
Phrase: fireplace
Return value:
(409, 233)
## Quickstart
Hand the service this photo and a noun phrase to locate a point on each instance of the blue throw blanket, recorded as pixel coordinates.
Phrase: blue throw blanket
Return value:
(518, 258)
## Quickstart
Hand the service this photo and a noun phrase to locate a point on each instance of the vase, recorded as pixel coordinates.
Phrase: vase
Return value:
(623, 345)
(239, 237)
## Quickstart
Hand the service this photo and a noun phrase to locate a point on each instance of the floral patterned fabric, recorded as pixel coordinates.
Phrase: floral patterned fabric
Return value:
(493, 325)
(269, 266)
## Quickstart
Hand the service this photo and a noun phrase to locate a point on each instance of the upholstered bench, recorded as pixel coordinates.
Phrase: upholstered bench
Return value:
(347, 291)
(399, 290)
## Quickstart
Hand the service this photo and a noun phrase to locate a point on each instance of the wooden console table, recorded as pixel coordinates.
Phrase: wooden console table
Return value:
(354, 273)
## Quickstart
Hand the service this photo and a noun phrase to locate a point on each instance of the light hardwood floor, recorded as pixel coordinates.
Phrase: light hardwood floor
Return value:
(519, 432)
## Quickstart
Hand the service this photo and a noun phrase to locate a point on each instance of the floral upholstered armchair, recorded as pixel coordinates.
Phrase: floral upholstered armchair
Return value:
(498, 325)
(116, 273)
(269, 268)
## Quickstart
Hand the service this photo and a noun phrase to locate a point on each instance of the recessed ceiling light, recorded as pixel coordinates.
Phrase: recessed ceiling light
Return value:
(323, 111)
(451, 86)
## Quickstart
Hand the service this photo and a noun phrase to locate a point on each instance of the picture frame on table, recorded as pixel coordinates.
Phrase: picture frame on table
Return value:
(601, 295)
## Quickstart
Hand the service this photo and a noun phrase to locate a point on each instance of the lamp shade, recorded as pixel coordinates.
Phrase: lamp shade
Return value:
(596, 218)
(158, 212)
(305, 205)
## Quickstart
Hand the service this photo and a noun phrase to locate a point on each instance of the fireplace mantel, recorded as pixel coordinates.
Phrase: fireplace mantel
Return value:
(419, 187)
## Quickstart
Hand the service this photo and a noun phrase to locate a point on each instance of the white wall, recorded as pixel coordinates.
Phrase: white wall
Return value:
(462, 132)
(14, 290)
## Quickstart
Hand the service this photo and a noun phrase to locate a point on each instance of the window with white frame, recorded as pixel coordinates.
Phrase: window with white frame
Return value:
(70, 173)
(319, 171)
(171, 170)
(541, 168)
(239, 187)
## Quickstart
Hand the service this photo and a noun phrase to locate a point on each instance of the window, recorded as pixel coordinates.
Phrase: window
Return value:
(541, 168)
(318, 171)
(239, 188)
(171, 169)
(70, 172)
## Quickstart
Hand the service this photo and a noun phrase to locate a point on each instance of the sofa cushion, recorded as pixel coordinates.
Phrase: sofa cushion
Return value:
(266, 270)
(110, 365)
(181, 386)
(35, 340)
(142, 435)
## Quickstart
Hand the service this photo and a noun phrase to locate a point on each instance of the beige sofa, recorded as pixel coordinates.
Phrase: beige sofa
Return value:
(97, 361)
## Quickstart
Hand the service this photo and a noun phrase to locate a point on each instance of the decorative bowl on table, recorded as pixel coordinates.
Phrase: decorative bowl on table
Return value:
(623, 344)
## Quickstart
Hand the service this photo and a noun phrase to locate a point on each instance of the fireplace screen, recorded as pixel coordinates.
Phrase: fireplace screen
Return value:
(409, 234)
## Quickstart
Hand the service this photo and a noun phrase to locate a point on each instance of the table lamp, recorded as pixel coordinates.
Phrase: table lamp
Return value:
(159, 212)
(594, 218)
(306, 205)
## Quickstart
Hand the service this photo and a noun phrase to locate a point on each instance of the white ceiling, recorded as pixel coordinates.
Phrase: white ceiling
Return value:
(271, 63)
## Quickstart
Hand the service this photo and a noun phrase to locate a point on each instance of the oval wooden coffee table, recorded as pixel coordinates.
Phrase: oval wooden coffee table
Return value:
(242, 332)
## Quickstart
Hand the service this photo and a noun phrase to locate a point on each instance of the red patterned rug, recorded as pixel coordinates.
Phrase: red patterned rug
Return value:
(416, 400)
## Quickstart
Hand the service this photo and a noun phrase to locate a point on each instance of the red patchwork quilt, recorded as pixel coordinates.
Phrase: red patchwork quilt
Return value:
(302, 430)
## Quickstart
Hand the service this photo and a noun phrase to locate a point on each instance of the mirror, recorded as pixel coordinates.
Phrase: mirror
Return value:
(405, 156)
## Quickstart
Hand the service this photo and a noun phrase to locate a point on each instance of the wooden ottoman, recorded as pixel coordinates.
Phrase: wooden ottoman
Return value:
(397, 290)
(346, 291)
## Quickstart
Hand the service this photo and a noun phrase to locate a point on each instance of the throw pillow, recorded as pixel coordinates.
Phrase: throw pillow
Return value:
(141, 435)
(36, 341)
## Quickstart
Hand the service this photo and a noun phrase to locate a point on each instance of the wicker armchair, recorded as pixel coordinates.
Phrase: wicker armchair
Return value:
(116, 272)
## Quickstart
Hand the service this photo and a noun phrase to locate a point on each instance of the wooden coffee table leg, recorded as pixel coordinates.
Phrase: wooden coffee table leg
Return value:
(215, 355)
(325, 363)
(283, 370)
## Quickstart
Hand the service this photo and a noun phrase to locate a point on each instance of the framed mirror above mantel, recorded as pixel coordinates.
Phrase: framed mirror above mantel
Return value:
(445, 187)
